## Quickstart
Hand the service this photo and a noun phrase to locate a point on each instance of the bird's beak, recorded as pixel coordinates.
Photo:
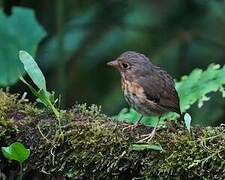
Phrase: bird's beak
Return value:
(113, 63)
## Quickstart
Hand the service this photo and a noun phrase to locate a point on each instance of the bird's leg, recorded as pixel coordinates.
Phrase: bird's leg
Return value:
(152, 134)
(133, 126)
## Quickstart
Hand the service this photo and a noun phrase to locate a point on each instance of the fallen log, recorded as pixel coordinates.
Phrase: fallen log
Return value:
(90, 145)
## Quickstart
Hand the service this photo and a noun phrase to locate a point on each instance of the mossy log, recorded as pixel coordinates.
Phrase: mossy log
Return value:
(90, 145)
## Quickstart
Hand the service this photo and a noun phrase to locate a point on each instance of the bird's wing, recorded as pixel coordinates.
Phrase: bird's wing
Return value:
(160, 88)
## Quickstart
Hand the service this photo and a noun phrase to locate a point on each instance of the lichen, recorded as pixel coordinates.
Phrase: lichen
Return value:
(94, 146)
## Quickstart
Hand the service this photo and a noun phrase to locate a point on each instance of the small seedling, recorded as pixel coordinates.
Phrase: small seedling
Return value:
(35, 73)
(16, 151)
(187, 121)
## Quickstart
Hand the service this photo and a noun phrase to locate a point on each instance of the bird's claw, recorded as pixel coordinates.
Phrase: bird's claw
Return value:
(130, 126)
(148, 137)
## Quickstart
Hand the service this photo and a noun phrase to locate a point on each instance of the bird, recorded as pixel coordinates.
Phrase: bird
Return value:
(147, 88)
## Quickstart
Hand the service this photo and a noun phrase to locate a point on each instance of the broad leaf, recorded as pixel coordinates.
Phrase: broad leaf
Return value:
(16, 151)
(194, 87)
(33, 70)
(131, 116)
(18, 31)
(35, 73)
(37, 77)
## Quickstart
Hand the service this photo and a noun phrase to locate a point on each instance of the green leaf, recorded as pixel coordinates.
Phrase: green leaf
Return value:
(41, 95)
(198, 84)
(128, 115)
(43, 98)
(132, 116)
(52, 98)
(37, 77)
(30, 87)
(33, 70)
(17, 31)
(141, 147)
(35, 73)
(222, 90)
(203, 99)
(187, 121)
(16, 151)
(47, 102)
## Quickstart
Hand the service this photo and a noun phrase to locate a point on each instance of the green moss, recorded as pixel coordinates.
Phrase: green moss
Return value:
(202, 157)
(6, 101)
(92, 145)
(13, 112)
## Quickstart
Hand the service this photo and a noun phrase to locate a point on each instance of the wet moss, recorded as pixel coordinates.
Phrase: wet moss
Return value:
(94, 146)
(7, 103)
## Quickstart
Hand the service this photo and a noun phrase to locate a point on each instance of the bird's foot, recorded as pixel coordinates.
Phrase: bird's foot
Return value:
(131, 126)
(148, 137)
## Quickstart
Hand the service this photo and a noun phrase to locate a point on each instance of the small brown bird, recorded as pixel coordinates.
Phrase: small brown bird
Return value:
(146, 87)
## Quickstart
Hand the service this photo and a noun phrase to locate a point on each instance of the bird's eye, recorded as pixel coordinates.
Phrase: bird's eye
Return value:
(125, 65)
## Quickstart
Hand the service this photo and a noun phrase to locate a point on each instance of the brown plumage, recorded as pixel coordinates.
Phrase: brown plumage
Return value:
(146, 87)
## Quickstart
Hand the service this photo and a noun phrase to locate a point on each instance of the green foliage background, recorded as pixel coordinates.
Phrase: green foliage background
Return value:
(81, 36)
(18, 31)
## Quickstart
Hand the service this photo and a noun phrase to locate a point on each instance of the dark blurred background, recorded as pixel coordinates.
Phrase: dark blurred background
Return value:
(81, 36)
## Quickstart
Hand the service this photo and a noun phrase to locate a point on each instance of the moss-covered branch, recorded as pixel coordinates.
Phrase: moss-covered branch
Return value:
(93, 145)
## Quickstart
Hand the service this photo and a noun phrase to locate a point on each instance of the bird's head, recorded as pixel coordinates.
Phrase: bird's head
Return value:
(131, 63)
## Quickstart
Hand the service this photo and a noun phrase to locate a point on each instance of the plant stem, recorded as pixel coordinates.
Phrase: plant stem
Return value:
(21, 171)
(57, 114)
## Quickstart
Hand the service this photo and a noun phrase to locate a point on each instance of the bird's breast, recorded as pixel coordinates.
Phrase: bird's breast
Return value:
(136, 98)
